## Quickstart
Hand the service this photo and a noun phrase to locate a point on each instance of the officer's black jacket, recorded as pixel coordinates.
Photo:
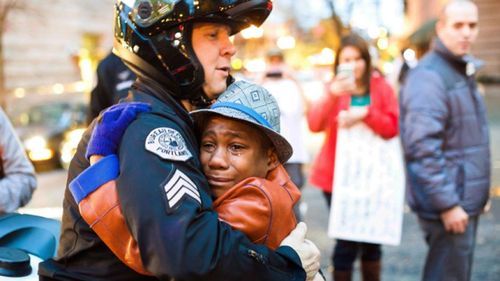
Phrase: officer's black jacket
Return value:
(186, 241)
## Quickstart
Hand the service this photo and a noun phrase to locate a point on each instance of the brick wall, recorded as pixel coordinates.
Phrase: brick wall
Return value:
(487, 46)
(420, 11)
(40, 41)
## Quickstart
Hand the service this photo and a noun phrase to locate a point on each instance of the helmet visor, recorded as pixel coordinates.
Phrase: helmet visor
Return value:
(147, 12)
(242, 13)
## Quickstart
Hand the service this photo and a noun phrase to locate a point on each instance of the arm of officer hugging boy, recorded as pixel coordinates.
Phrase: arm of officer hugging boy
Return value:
(113, 122)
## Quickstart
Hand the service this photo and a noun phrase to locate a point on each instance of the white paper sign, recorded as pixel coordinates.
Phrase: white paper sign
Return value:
(368, 189)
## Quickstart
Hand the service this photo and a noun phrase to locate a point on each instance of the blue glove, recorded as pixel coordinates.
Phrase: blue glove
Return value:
(111, 126)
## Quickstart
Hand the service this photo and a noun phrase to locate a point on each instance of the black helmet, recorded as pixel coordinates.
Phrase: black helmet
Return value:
(153, 37)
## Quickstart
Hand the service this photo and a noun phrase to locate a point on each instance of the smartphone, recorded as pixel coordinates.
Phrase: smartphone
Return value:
(346, 70)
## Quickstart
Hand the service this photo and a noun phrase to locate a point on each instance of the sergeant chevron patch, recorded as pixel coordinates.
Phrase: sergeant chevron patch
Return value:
(178, 188)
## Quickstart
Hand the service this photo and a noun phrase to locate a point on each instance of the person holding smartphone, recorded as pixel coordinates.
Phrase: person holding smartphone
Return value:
(357, 93)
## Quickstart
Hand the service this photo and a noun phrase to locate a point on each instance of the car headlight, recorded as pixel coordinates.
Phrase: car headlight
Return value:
(37, 149)
(69, 145)
(74, 136)
(35, 143)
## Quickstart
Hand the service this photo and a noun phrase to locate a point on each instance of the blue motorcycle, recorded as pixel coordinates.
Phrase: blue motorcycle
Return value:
(25, 241)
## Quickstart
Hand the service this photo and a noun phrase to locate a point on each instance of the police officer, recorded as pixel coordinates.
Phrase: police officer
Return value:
(180, 51)
(113, 82)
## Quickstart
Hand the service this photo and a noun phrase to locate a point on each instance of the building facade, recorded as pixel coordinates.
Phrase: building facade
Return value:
(487, 47)
(50, 44)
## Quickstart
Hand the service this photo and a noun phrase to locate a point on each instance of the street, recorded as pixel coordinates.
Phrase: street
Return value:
(400, 263)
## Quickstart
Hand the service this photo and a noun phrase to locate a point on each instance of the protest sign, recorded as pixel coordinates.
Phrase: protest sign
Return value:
(368, 188)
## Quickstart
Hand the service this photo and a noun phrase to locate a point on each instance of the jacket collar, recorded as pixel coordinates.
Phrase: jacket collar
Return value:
(466, 65)
(154, 89)
(278, 177)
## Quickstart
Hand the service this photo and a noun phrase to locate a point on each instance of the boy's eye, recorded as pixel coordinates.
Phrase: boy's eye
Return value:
(207, 146)
(236, 147)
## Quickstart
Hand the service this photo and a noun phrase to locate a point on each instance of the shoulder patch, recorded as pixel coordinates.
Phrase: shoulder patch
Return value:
(179, 187)
(168, 144)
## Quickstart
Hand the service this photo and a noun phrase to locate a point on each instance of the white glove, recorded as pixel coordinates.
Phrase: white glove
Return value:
(306, 250)
(318, 277)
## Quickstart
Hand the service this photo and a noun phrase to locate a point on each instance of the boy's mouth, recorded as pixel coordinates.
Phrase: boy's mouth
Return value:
(218, 180)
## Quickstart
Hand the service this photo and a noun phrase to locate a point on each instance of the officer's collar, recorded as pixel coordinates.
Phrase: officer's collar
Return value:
(154, 89)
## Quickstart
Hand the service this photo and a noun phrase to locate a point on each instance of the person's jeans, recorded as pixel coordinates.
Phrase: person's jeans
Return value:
(346, 252)
(450, 255)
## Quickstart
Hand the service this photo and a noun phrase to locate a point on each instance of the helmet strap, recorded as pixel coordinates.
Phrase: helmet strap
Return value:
(203, 101)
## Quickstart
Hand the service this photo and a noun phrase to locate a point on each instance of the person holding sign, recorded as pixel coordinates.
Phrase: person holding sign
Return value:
(357, 93)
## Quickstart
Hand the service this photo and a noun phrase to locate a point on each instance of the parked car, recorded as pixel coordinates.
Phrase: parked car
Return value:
(42, 129)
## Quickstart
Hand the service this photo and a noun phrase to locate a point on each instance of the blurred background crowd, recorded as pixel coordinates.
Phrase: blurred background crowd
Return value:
(49, 53)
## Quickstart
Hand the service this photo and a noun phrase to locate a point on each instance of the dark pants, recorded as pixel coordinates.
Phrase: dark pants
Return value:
(294, 170)
(450, 255)
(346, 252)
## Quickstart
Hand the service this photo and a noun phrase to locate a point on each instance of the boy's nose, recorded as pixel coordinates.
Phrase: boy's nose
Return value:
(218, 160)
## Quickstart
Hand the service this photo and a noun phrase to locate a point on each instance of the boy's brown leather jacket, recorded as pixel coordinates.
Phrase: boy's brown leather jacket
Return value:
(260, 208)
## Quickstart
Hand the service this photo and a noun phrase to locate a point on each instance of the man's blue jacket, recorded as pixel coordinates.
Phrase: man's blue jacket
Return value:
(445, 136)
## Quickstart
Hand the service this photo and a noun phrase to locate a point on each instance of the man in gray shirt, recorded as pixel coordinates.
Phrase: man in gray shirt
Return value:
(17, 175)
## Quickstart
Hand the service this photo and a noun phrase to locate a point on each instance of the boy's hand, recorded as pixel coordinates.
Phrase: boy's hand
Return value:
(306, 250)
(111, 126)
